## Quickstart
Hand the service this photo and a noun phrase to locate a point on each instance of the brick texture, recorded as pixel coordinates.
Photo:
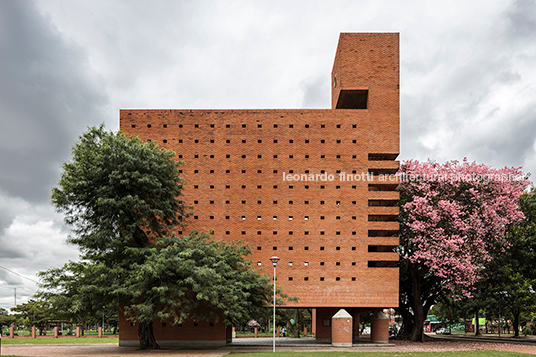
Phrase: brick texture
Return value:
(334, 238)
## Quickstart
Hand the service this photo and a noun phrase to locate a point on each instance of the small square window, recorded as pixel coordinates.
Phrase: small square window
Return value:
(353, 248)
(275, 186)
(227, 156)
(259, 248)
(274, 233)
(227, 232)
(243, 125)
(165, 141)
(322, 125)
(259, 141)
(227, 186)
(259, 202)
(289, 278)
(275, 156)
(321, 248)
(354, 264)
(338, 248)
(306, 248)
(196, 202)
(290, 202)
(338, 156)
(354, 141)
(306, 278)
(291, 125)
(322, 141)
(353, 278)
(228, 141)
(196, 186)
(275, 171)
(305, 202)
(259, 125)
(212, 141)
(259, 156)
(354, 233)
(291, 156)
(243, 156)
(259, 233)
(148, 125)
(275, 125)
(338, 217)
(291, 141)
(290, 233)
(274, 248)
(290, 248)
(354, 156)
(338, 279)
(243, 141)
(322, 233)
(322, 278)
(338, 263)
(338, 141)
(243, 202)
(274, 202)
(259, 186)
(306, 233)
(322, 156)
(243, 233)
(211, 202)
(212, 125)
(180, 125)
(275, 141)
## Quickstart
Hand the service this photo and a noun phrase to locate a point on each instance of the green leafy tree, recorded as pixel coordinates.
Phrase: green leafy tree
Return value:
(38, 312)
(122, 199)
(510, 278)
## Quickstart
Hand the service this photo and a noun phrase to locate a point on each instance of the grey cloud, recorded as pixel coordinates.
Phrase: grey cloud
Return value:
(316, 93)
(48, 95)
(522, 19)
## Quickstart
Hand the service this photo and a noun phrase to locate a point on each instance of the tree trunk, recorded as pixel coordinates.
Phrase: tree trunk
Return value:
(146, 335)
(417, 334)
(515, 321)
(477, 325)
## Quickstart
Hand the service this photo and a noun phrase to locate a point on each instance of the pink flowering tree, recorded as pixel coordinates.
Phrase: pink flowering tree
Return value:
(454, 216)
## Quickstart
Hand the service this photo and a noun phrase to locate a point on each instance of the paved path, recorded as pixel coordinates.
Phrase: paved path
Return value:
(264, 345)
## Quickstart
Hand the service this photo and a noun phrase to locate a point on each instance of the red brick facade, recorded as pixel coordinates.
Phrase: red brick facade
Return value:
(334, 236)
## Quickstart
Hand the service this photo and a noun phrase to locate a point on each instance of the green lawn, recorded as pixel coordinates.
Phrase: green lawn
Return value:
(389, 354)
(58, 341)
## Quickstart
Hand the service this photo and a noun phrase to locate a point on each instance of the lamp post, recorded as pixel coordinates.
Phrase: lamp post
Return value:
(274, 263)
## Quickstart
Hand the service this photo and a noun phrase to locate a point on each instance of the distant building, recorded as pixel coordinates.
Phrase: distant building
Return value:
(314, 187)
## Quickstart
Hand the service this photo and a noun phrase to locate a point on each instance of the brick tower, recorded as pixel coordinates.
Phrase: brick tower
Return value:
(314, 187)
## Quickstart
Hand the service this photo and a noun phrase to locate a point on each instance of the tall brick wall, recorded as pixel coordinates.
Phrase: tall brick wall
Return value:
(334, 238)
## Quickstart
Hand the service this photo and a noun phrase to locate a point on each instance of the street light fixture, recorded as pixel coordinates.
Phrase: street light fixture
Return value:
(274, 261)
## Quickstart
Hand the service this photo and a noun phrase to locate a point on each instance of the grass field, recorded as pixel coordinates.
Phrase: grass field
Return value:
(388, 354)
(58, 341)
(384, 354)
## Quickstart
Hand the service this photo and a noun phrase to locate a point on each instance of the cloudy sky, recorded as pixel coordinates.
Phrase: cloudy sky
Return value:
(468, 84)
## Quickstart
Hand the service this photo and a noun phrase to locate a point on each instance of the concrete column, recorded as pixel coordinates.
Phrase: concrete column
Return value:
(305, 332)
(77, 331)
(234, 332)
(34, 334)
(256, 332)
(12, 331)
(100, 332)
(341, 329)
(56, 334)
(379, 328)
(278, 331)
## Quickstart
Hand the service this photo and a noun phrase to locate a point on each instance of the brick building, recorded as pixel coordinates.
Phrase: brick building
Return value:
(310, 186)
